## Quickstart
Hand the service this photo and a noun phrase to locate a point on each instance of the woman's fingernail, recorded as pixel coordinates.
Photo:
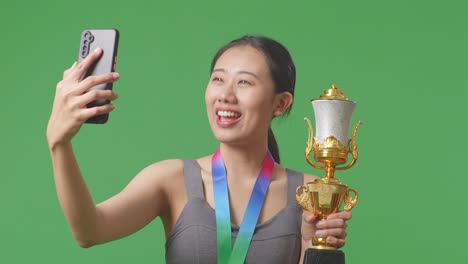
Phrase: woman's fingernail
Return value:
(97, 50)
(73, 65)
(116, 75)
(319, 233)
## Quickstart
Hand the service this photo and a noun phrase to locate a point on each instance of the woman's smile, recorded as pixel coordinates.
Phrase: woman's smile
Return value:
(227, 118)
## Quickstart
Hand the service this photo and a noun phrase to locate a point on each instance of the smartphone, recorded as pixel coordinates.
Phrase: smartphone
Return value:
(107, 40)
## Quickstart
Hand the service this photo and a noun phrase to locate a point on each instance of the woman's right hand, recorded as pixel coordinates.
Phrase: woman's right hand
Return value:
(69, 110)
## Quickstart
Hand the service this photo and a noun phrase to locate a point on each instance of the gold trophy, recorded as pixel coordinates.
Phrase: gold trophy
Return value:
(331, 148)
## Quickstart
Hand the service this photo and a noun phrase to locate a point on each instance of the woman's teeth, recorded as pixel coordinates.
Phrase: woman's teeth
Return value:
(227, 114)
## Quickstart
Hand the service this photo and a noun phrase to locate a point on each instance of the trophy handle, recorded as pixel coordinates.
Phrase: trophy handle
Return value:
(309, 145)
(352, 148)
(303, 199)
(349, 201)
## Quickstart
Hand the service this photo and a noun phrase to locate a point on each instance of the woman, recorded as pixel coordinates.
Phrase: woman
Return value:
(252, 81)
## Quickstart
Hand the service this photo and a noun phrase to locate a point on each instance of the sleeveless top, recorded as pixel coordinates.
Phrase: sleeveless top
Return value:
(193, 239)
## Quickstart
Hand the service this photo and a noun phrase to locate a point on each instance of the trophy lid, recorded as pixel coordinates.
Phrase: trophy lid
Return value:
(333, 94)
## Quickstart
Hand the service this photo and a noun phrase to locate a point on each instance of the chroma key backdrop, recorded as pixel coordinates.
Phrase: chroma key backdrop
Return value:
(403, 62)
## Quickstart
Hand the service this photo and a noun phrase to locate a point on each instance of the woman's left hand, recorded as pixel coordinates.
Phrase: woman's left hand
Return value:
(333, 229)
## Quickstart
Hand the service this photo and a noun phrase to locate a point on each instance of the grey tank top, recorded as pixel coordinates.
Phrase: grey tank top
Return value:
(193, 239)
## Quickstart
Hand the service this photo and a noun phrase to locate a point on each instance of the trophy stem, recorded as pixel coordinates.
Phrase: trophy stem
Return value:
(330, 171)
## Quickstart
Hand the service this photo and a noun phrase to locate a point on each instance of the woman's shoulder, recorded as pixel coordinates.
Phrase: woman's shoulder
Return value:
(174, 168)
(307, 177)
(166, 167)
(160, 175)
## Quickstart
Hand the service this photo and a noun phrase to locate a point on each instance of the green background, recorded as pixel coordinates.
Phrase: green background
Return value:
(404, 62)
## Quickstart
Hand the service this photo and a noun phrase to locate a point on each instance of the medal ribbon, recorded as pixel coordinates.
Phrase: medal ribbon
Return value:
(226, 253)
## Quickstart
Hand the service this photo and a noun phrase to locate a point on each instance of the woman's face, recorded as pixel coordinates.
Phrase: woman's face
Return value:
(240, 97)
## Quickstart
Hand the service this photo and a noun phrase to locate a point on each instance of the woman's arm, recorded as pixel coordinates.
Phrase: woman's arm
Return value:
(73, 194)
(140, 202)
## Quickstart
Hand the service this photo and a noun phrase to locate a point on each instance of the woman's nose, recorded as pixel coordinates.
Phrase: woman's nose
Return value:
(227, 95)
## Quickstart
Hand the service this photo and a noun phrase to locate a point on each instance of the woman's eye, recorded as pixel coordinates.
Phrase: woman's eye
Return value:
(244, 82)
(216, 79)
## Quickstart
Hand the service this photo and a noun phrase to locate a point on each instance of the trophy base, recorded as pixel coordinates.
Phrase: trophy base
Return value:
(316, 256)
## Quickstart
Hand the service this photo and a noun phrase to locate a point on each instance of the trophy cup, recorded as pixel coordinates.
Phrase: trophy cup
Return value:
(331, 148)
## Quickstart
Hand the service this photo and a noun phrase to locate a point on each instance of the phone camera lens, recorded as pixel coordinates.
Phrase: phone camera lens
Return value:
(88, 36)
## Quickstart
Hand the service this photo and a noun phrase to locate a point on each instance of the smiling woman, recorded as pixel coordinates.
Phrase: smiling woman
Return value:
(240, 193)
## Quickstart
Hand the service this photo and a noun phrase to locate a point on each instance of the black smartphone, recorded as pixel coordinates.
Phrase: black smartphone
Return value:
(107, 40)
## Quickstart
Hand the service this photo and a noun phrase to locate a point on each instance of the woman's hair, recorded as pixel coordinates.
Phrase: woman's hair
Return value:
(282, 70)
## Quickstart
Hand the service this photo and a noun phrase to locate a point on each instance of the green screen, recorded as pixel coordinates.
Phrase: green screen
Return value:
(403, 62)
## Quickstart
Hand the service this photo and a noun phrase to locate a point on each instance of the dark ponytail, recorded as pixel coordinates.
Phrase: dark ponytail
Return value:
(282, 70)
(273, 146)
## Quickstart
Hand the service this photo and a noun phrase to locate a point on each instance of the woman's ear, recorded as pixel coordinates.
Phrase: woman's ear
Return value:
(282, 103)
